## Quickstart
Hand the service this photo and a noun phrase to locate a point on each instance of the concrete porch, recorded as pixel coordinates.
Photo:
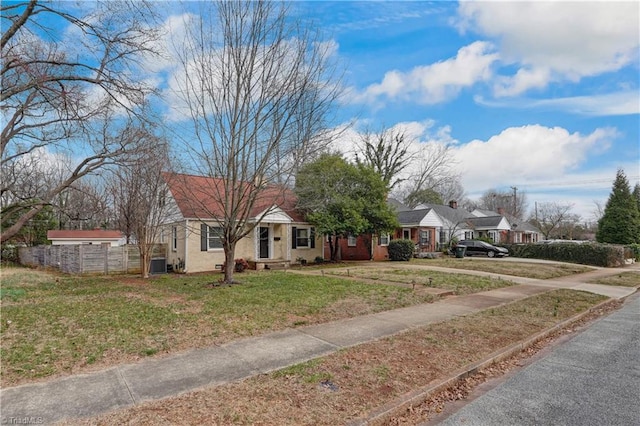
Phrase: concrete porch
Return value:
(269, 264)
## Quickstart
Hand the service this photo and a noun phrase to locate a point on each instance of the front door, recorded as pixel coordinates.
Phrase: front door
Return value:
(264, 242)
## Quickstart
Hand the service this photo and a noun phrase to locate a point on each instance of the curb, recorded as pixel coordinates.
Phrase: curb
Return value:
(383, 414)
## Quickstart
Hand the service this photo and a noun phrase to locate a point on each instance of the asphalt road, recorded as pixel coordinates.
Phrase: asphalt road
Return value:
(592, 379)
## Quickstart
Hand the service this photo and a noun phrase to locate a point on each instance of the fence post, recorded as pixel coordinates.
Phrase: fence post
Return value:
(106, 258)
(81, 256)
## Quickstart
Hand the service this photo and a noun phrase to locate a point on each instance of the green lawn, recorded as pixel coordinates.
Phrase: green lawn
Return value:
(58, 324)
(53, 323)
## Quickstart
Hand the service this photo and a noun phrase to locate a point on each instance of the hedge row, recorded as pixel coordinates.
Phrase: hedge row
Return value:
(595, 254)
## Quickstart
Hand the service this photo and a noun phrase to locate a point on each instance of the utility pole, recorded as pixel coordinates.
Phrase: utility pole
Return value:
(515, 201)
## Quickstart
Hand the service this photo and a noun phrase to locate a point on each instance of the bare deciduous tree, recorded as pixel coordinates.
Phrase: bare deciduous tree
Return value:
(432, 168)
(53, 90)
(257, 86)
(23, 195)
(139, 199)
(388, 152)
(513, 202)
(569, 229)
(83, 205)
(552, 216)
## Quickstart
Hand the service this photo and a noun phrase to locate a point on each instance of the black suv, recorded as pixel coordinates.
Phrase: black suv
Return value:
(477, 247)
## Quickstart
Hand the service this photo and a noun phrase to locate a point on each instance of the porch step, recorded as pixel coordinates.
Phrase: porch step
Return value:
(269, 264)
(273, 266)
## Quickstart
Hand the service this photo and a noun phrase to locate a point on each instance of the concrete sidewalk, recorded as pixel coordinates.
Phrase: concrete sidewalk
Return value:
(131, 384)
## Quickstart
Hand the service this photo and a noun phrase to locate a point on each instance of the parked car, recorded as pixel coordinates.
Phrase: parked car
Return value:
(480, 248)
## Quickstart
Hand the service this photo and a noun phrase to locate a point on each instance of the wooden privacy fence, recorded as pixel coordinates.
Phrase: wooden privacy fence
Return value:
(86, 258)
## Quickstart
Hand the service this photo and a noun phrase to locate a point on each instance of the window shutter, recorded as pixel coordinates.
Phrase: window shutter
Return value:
(203, 237)
(294, 235)
(312, 235)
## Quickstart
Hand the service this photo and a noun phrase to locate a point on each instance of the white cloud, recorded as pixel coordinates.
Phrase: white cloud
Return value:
(170, 46)
(543, 162)
(418, 132)
(524, 79)
(556, 41)
(528, 154)
(435, 83)
(619, 103)
(582, 189)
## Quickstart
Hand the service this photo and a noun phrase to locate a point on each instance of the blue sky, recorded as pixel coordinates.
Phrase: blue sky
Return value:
(543, 96)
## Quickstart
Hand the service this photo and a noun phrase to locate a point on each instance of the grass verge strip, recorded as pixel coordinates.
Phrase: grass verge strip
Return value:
(350, 384)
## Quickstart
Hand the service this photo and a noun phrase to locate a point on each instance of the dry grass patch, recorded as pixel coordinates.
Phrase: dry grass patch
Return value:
(625, 279)
(414, 277)
(348, 384)
(541, 271)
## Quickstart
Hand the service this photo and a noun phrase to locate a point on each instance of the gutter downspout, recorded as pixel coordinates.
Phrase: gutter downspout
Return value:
(372, 245)
(186, 244)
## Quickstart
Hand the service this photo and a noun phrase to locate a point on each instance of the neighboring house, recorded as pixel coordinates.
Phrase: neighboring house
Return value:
(496, 228)
(351, 248)
(93, 236)
(422, 226)
(361, 247)
(364, 246)
(397, 205)
(429, 226)
(455, 223)
(525, 232)
(519, 231)
(433, 226)
(280, 237)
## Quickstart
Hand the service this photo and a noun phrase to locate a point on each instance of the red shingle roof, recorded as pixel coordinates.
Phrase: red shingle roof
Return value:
(200, 197)
(93, 234)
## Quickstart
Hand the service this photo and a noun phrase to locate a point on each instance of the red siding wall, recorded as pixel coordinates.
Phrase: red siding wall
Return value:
(361, 251)
(415, 237)
(380, 252)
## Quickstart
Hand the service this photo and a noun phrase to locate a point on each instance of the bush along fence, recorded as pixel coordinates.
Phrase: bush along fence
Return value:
(595, 254)
(86, 258)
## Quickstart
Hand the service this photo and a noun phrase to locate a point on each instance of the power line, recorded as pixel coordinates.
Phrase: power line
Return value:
(573, 183)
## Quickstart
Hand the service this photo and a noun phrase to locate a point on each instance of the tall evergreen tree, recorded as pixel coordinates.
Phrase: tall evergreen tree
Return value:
(636, 194)
(620, 223)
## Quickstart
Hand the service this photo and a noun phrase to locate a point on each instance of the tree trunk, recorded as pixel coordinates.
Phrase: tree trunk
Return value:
(334, 249)
(16, 227)
(330, 238)
(145, 263)
(229, 262)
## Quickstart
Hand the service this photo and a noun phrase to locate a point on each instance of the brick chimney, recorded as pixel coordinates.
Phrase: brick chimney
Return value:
(453, 204)
(501, 211)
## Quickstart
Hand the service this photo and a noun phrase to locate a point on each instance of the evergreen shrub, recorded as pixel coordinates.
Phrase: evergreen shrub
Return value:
(401, 250)
(595, 254)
